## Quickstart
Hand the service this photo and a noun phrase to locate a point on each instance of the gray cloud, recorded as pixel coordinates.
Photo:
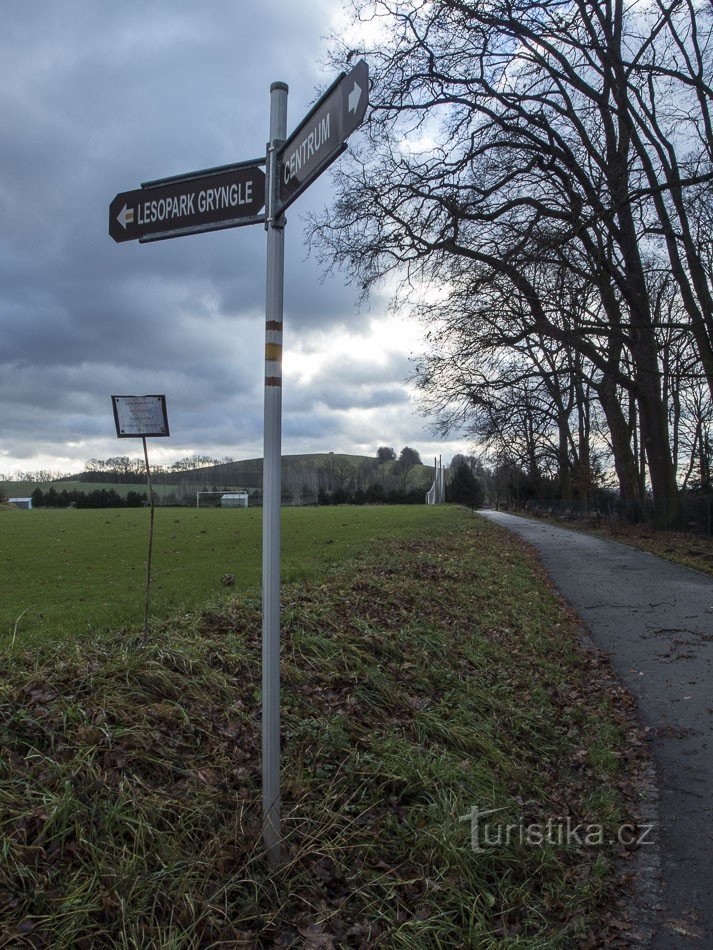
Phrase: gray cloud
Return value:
(94, 99)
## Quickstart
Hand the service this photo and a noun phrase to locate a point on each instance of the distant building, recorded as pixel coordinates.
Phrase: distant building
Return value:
(21, 502)
(234, 499)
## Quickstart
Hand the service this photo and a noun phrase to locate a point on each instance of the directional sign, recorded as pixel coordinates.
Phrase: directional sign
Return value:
(189, 204)
(227, 197)
(320, 137)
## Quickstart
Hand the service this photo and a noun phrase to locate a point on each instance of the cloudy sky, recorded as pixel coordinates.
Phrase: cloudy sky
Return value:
(96, 98)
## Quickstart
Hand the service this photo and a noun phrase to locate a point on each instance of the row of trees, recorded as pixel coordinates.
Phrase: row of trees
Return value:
(373, 495)
(345, 477)
(331, 471)
(41, 475)
(99, 498)
(306, 480)
(465, 486)
(303, 477)
(539, 172)
(122, 469)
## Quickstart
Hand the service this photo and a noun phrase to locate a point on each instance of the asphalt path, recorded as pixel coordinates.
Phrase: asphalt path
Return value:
(655, 619)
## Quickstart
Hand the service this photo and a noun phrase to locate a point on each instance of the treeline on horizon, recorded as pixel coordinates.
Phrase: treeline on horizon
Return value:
(97, 498)
(342, 482)
(302, 476)
(373, 495)
(323, 480)
(329, 471)
(110, 498)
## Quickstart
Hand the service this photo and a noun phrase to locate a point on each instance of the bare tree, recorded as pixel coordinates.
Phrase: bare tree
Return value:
(507, 135)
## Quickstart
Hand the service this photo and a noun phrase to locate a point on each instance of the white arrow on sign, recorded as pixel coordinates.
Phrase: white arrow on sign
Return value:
(125, 216)
(354, 97)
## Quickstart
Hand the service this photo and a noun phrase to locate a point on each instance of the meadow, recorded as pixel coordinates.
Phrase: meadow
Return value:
(71, 573)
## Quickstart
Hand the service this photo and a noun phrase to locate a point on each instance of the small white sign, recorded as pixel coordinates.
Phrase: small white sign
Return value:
(140, 416)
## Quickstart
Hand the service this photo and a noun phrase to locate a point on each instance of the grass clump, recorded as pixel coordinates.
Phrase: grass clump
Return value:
(420, 679)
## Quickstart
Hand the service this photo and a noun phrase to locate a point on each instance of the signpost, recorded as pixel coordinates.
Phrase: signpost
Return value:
(272, 485)
(232, 196)
(225, 197)
(141, 417)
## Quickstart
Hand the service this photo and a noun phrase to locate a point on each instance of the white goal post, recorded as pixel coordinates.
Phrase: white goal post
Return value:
(222, 499)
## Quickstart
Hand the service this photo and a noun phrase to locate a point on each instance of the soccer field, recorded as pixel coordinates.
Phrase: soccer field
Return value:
(69, 573)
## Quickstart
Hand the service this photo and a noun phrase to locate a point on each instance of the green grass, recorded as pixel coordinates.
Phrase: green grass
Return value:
(75, 572)
(425, 675)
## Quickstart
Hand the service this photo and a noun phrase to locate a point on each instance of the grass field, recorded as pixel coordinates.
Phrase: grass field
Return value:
(71, 573)
(423, 674)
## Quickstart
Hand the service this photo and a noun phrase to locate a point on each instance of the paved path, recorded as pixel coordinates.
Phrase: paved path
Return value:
(655, 618)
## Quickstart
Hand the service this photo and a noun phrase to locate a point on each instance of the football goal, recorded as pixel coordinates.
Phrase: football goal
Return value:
(221, 499)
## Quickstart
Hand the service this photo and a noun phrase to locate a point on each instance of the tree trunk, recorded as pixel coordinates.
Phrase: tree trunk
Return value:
(624, 458)
(563, 461)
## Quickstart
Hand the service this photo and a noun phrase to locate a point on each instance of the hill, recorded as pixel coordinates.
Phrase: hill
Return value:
(337, 469)
(304, 477)
(311, 477)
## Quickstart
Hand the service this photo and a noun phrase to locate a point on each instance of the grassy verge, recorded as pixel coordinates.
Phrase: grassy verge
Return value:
(688, 549)
(420, 679)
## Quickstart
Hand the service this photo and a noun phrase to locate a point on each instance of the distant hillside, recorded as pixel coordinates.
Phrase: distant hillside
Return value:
(330, 469)
(317, 478)
(248, 472)
(306, 479)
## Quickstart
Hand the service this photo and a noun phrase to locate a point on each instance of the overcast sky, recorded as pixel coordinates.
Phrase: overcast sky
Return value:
(96, 98)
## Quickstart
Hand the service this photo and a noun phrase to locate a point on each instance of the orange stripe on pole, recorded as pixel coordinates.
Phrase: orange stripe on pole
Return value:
(273, 352)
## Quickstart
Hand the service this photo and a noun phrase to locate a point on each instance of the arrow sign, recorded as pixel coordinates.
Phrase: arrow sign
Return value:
(321, 135)
(225, 197)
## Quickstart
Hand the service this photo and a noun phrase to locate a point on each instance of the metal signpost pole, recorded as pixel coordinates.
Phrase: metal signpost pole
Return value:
(147, 599)
(275, 226)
